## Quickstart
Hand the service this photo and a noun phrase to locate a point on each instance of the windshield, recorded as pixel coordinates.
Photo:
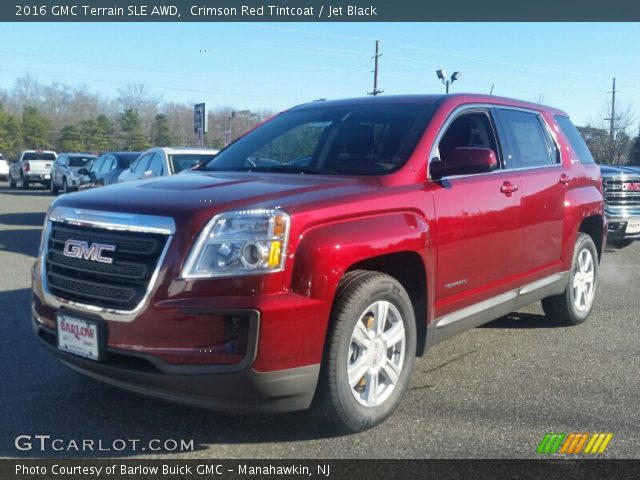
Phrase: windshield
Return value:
(185, 161)
(79, 161)
(366, 139)
(39, 156)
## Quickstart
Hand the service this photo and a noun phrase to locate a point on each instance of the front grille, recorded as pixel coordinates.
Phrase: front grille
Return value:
(622, 192)
(119, 285)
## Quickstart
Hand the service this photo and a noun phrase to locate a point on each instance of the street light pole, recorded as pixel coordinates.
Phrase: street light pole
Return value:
(442, 75)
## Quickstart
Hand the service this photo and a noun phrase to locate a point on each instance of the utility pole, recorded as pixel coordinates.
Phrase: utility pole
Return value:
(376, 91)
(612, 126)
(613, 110)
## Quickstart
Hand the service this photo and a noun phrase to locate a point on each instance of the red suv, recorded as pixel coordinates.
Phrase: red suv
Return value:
(312, 260)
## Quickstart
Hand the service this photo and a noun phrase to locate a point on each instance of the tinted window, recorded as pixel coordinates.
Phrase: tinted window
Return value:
(575, 139)
(108, 165)
(79, 161)
(185, 161)
(62, 160)
(2, 157)
(156, 164)
(530, 146)
(364, 139)
(39, 156)
(97, 166)
(140, 165)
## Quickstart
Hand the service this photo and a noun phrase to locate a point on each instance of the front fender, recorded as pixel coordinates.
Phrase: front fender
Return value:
(325, 252)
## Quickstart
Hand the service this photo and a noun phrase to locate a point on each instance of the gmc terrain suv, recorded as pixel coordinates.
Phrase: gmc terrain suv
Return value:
(622, 203)
(312, 260)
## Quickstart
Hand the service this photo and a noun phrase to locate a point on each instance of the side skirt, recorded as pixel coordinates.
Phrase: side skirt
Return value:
(475, 315)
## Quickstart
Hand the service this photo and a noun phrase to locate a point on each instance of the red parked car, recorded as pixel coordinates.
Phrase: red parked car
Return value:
(312, 260)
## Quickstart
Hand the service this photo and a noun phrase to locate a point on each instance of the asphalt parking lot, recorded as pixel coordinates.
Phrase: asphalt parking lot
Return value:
(493, 392)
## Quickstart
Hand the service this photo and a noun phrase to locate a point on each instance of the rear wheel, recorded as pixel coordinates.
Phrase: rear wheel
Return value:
(574, 305)
(12, 182)
(52, 187)
(370, 351)
(25, 183)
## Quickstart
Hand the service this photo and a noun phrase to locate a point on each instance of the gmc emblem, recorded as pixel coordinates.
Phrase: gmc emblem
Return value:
(79, 249)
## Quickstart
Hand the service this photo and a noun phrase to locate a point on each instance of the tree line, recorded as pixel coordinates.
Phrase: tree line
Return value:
(72, 119)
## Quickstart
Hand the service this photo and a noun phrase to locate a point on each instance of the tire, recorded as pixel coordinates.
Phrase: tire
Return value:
(12, 183)
(573, 306)
(65, 186)
(52, 187)
(25, 183)
(367, 363)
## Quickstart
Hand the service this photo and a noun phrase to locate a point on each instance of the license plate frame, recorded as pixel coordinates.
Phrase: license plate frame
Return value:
(80, 336)
(633, 227)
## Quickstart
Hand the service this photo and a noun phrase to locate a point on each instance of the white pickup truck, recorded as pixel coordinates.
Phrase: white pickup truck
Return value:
(33, 166)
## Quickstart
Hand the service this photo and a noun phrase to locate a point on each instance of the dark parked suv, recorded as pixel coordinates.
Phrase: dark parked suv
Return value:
(106, 169)
(312, 260)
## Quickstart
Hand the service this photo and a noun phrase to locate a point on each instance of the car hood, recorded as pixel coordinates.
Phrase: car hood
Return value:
(196, 197)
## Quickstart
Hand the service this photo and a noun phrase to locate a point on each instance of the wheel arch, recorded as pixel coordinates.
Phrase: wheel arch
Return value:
(409, 270)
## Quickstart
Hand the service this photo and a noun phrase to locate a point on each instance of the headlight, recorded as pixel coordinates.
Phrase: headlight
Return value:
(237, 243)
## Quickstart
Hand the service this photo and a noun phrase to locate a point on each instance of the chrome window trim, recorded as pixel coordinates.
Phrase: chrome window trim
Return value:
(106, 221)
(489, 107)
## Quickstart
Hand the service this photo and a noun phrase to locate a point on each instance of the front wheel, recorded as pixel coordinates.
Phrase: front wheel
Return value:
(574, 305)
(370, 351)
(25, 183)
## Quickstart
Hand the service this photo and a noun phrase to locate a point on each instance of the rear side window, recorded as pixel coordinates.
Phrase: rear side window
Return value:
(575, 139)
(529, 144)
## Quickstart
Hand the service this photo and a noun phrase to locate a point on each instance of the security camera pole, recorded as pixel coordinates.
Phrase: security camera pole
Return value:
(448, 81)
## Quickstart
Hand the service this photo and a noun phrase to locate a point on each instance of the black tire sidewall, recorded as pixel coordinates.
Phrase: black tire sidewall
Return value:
(391, 291)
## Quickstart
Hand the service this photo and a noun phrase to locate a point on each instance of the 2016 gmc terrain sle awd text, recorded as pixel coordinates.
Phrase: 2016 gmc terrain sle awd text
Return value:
(312, 260)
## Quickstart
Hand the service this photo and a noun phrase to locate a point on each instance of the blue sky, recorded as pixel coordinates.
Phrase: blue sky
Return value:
(276, 65)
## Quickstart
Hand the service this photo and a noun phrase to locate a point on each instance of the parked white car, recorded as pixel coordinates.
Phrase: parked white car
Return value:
(4, 168)
(162, 161)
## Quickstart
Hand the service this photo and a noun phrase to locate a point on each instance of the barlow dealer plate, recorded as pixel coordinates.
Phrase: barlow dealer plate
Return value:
(78, 336)
(633, 227)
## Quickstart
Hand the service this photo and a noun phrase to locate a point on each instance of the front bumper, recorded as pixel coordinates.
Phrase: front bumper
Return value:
(223, 388)
(619, 225)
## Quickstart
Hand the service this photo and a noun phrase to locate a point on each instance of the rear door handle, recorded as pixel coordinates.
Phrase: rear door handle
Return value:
(565, 179)
(508, 188)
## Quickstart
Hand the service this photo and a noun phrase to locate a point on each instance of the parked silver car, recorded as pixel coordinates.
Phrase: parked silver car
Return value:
(161, 161)
(64, 172)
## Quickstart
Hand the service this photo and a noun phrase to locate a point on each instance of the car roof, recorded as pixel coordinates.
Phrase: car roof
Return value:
(77, 154)
(454, 99)
(185, 150)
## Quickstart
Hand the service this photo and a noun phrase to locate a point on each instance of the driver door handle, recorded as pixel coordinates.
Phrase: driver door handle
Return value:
(508, 188)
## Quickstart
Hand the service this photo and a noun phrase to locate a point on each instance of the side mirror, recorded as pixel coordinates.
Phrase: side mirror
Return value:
(465, 161)
(148, 174)
(83, 171)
